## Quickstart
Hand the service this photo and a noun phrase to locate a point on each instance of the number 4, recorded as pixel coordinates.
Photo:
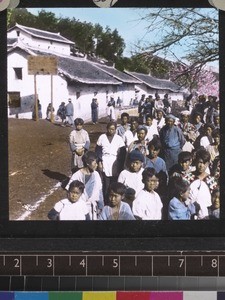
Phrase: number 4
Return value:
(82, 263)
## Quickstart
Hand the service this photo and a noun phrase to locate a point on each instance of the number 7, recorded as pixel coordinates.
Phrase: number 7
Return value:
(181, 261)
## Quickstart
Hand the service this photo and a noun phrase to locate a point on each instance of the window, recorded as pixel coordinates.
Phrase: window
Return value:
(18, 73)
(18, 33)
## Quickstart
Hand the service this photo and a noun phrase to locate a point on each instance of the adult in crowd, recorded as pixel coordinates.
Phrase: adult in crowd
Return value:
(61, 112)
(172, 140)
(94, 109)
(111, 151)
(69, 112)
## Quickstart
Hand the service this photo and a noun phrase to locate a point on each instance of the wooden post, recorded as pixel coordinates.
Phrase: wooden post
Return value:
(35, 97)
(52, 118)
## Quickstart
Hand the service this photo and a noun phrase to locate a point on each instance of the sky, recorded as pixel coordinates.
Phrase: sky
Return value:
(126, 20)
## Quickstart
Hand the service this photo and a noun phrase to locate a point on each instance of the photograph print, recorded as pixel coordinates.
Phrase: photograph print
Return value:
(113, 114)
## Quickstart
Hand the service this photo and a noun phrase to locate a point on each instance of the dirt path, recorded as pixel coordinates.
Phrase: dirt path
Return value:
(39, 163)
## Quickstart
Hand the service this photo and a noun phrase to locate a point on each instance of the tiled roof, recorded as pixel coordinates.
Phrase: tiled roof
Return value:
(155, 83)
(118, 74)
(43, 34)
(11, 41)
(75, 69)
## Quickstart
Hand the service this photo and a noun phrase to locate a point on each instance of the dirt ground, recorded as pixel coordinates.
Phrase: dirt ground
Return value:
(39, 165)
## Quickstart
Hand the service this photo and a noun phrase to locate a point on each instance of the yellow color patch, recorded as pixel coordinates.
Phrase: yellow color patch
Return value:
(99, 295)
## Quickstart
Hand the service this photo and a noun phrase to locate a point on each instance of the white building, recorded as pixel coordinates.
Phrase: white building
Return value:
(77, 78)
(150, 85)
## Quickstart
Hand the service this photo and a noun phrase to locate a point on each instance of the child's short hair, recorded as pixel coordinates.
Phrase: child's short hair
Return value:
(184, 156)
(89, 157)
(124, 114)
(111, 123)
(148, 172)
(216, 133)
(77, 184)
(156, 143)
(202, 154)
(178, 186)
(134, 119)
(118, 188)
(208, 125)
(78, 121)
(149, 116)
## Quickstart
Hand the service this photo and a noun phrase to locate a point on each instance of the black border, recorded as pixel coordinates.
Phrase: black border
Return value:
(143, 234)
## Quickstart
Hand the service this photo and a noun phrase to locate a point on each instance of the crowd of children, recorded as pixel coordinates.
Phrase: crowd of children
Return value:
(153, 167)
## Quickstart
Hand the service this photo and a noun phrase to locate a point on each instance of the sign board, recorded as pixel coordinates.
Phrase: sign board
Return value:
(42, 65)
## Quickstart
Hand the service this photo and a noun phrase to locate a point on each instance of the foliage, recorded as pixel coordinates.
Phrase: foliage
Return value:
(89, 38)
(190, 34)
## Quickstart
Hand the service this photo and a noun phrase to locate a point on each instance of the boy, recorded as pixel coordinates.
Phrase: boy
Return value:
(179, 208)
(152, 128)
(124, 125)
(133, 176)
(72, 208)
(148, 205)
(117, 209)
(79, 143)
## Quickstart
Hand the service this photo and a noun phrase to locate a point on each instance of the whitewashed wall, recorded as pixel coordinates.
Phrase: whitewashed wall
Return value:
(43, 44)
(26, 86)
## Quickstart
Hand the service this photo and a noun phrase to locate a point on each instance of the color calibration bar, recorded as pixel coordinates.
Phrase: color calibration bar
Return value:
(186, 295)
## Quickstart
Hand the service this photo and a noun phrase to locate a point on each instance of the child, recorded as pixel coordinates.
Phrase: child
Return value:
(79, 143)
(152, 128)
(124, 125)
(133, 176)
(153, 160)
(148, 205)
(92, 195)
(214, 209)
(179, 208)
(72, 208)
(202, 183)
(156, 162)
(183, 168)
(117, 209)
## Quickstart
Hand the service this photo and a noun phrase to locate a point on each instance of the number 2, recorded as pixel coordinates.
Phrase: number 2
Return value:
(17, 263)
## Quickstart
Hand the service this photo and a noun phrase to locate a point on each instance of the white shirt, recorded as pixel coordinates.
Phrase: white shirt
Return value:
(132, 179)
(148, 206)
(200, 193)
(71, 211)
(109, 152)
(152, 130)
(129, 138)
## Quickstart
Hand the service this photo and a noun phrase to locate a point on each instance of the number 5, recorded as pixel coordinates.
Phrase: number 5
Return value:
(115, 263)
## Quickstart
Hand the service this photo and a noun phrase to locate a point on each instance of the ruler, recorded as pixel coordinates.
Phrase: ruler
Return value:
(112, 271)
(177, 263)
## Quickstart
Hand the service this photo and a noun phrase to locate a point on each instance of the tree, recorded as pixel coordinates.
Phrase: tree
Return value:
(188, 34)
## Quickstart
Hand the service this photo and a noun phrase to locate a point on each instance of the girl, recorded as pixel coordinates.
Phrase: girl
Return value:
(179, 208)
